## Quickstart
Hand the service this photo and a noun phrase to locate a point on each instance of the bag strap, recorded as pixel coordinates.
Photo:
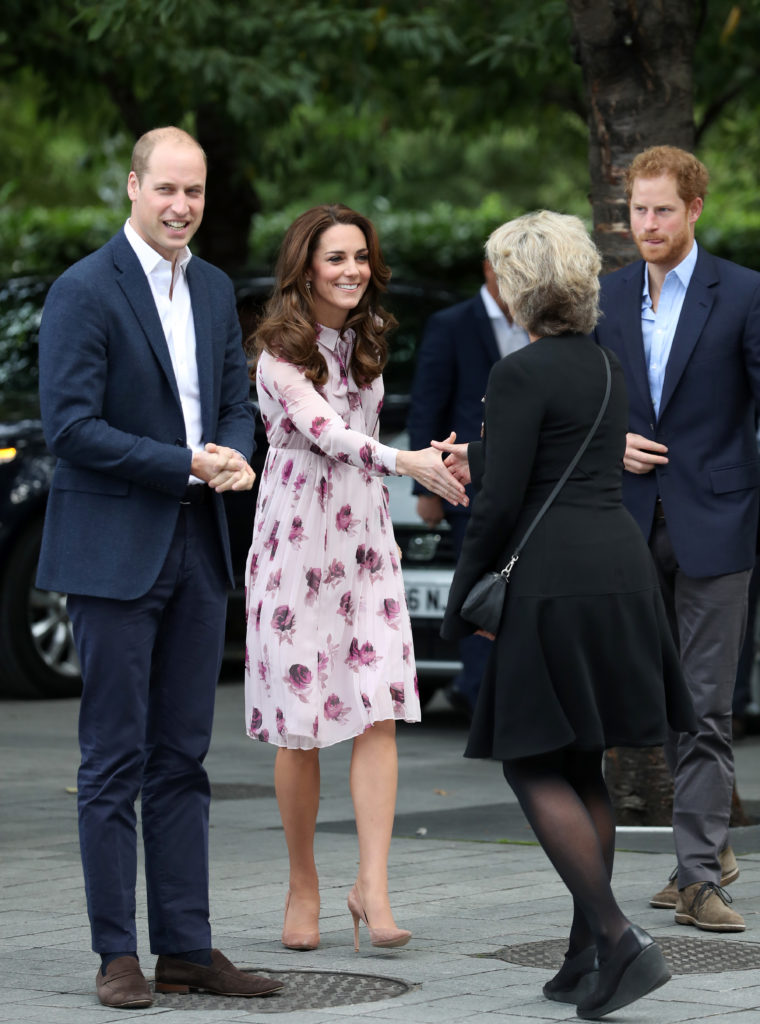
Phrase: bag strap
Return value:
(563, 479)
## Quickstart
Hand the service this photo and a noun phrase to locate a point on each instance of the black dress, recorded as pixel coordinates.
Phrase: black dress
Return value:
(584, 656)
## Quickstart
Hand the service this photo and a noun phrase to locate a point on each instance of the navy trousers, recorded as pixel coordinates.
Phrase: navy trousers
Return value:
(150, 668)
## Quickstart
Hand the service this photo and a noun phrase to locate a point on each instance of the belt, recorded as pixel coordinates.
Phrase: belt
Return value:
(195, 494)
(659, 512)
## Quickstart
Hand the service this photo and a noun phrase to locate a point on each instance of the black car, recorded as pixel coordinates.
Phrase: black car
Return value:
(37, 655)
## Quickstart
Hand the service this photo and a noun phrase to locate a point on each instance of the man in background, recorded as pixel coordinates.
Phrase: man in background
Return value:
(459, 346)
(686, 328)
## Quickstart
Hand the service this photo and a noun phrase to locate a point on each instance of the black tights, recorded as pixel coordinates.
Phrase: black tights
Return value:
(564, 797)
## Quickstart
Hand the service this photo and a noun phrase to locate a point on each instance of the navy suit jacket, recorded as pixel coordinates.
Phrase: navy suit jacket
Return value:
(112, 415)
(455, 358)
(709, 488)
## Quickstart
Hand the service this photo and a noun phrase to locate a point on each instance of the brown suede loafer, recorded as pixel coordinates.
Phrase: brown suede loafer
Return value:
(222, 978)
(123, 985)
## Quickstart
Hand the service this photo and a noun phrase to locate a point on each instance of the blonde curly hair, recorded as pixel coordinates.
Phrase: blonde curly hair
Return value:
(548, 269)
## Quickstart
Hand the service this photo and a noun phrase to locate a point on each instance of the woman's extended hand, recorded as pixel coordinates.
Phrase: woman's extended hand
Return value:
(427, 468)
(456, 460)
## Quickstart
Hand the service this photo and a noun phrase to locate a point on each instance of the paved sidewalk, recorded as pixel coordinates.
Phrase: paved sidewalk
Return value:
(464, 892)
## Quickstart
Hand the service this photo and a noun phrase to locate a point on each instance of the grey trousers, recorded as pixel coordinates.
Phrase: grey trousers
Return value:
(708, 617)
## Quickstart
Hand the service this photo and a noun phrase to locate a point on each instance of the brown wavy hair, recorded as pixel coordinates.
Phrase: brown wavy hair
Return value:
(288, 328)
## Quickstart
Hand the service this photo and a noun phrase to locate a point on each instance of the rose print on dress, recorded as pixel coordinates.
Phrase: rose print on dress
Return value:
(354, 402)
(315, 727)
(335, 709)
(346, 608)
(397, 696)
(298, 681)
(366, 455)
(271, 543)
(326, 660)
(280, 720)
(298, 485)
(313, 579)
(288, 425)
(284, 623)
(273, 583)
(366, 702)
(362, 657)
(390, 612)
(254, 567)
(287, 469)
(324, 492)
(297, 534)
(323, 663)
(345, 522)
(336, 572)
(318, 425)
(370, 561)
(256, 720)
(405, 651)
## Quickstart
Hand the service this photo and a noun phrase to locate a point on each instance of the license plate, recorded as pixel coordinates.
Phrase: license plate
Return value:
(427, 592)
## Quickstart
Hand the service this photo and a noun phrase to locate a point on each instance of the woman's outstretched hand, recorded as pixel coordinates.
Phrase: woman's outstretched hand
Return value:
(456, 460)
(427, 467)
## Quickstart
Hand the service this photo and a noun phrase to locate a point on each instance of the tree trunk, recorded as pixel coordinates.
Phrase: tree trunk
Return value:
(636, 57)
(637, 62)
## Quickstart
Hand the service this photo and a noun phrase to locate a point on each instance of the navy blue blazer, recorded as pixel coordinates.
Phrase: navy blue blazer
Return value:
(455, 358)
(709, 488)
(112, 415)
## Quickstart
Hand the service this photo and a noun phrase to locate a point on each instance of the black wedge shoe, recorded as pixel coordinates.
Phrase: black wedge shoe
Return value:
(635, 968)
(575, 979)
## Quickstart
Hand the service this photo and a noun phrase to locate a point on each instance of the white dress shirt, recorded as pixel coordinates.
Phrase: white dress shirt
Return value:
(509, 337)
(172, 298)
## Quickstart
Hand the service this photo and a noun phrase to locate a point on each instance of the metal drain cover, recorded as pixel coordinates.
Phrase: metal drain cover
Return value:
(684, 956)
(303, 990)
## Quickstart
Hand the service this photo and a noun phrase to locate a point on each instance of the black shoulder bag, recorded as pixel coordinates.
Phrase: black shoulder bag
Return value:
(485, 602)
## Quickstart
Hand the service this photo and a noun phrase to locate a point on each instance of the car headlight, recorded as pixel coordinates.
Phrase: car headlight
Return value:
(7, 455)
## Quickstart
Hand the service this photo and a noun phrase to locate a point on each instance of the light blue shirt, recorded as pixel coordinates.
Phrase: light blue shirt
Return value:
(658, 329)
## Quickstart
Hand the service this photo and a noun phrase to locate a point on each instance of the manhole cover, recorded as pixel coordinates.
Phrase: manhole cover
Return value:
(303, 990)
(239, 791)
(684, 956)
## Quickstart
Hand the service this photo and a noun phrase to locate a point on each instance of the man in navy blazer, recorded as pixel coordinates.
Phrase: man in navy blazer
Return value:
(686, 328)
(144, 395)
(459, 346)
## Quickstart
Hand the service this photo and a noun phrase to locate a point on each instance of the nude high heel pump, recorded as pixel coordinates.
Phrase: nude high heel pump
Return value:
(386, 938)
(301, 941)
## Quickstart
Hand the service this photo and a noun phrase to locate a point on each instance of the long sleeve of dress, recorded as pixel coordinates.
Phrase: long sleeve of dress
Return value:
(290, 403)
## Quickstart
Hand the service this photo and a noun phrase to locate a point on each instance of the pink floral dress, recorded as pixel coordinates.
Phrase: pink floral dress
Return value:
(329, 644)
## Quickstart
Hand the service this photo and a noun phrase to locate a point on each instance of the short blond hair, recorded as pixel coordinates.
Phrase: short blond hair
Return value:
(147, 143)
(548, 269)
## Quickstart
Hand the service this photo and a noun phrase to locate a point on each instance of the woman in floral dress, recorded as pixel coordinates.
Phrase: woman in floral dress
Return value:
(329, 646)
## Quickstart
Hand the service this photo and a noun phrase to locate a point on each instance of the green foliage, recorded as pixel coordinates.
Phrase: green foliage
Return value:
(438, 119)
(45, 239)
